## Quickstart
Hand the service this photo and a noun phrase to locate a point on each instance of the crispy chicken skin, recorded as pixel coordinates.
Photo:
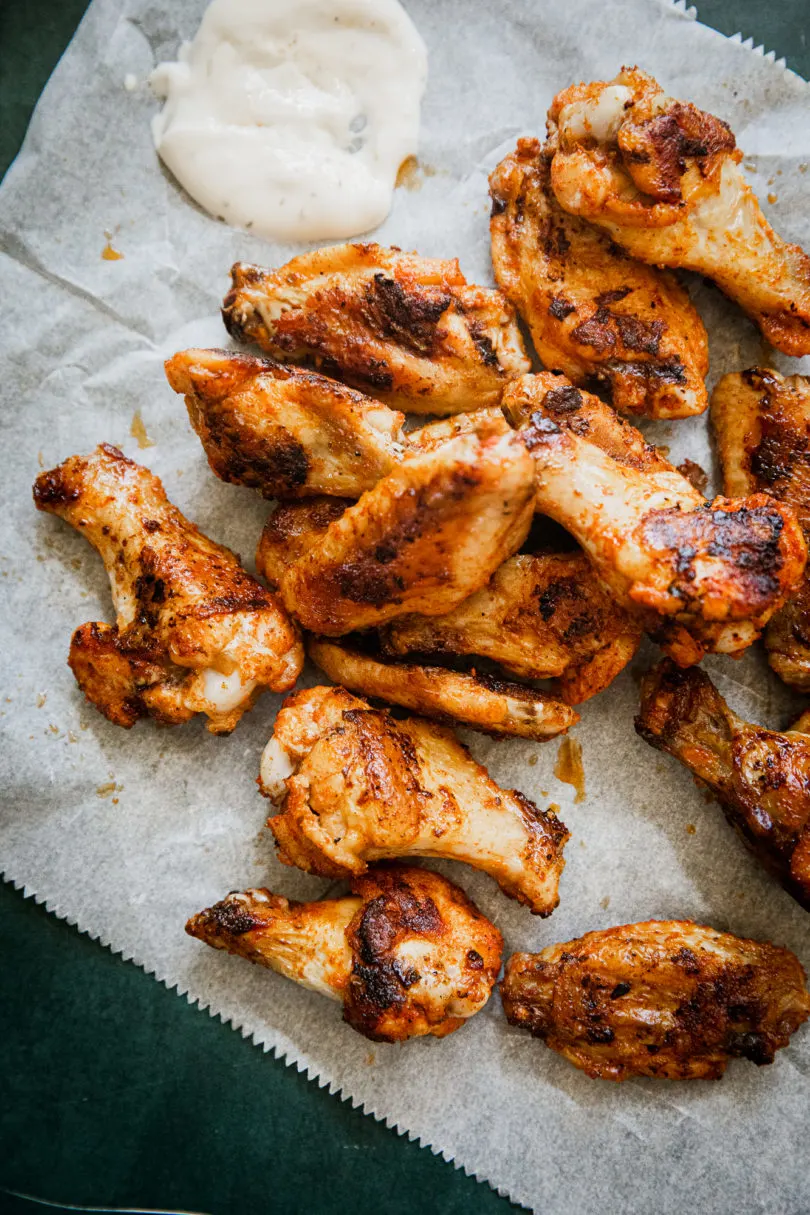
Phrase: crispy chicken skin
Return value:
(409, 330)
(194, 632)
(287, 432)
(540, 616)
(663, 179)
(669, 999)
(762, 423)
(760, 778)
(706, 576)
(483, 702)
(360, 786)
(595, 314)
(406, 953)
(429, 534)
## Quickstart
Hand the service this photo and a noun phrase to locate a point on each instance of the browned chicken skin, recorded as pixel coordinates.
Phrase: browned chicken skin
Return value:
(409, 330)
(705, 576)
(194, 632)
(668, 999)
(407, 953)
(287, 432)
(760, 777)
(762, 423)
(354, 786)
(595, 314)
(663, 179)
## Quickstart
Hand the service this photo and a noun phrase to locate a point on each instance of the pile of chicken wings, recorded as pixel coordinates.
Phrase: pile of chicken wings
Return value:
(456, 539)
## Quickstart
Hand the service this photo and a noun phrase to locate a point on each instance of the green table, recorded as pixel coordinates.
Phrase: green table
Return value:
(115, 1092)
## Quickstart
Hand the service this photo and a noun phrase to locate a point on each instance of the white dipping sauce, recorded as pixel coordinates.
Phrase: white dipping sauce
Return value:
(292, 117)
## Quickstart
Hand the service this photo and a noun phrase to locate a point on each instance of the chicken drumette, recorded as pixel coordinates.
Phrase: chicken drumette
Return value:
(762, 423)
(288, 432)
(663, 179)
(668, 998)
(407, 329)
(595, 314)
(706, 576)
(353, 786)
(407, 953)
(761, 778)
(194, 632)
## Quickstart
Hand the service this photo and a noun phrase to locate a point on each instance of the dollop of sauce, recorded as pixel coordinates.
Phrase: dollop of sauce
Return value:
(291, 118)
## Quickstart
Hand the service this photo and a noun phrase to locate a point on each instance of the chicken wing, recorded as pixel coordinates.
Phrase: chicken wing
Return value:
(429, 534)
(663, 179)
(482, 702)
(707, 576)
(368, 787)
(762, 424)
(194, 632)
(760, 778)
(409, 330)
(669, 999)
(287, 432)
(595, 314)
(540, 616)
(406, 953)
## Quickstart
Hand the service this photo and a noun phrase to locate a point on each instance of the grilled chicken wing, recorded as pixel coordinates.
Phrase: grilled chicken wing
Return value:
(761, 778)
(663, 179)
(409, 330)
(407, 953)
(361, 787)
(706, 576)
(762, 424)
(287, 432)
(482, 702)
(540, 616)
(429, 534)
(194, 632)
(668, 998)
(595, 314)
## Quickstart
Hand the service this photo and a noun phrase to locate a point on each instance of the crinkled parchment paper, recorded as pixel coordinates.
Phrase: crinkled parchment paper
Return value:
(126, 834)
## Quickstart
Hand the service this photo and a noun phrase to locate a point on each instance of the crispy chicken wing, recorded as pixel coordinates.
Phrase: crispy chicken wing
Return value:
(407, 953)
(707, 576)
(194, 632)
(540, 616)
(287, 432)
(663, 179)
(429, 534)
(595, 314)
(762, 424)
(761, 778)
(361, 787)
(482, 702)
(668, 998)
(410, 330)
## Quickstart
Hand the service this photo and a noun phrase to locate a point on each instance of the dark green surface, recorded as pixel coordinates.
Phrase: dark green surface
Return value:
(115, 1091)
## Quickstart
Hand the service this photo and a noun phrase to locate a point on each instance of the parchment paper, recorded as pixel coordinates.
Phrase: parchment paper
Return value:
(83, 342)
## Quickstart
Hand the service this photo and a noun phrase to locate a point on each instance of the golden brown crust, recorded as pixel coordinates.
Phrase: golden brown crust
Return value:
(668, 999)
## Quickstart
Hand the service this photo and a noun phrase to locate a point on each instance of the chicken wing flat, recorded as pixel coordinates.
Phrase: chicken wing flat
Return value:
(594, 313)
(287, 432)
(409, 330)
(707, 576)
(760, 778)
(668, 999)
(194, 632)
(762, 424)
(663, 179)
(361, 787)
(541, 616)
(482, 702)
(429, 534)
(407, 953)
